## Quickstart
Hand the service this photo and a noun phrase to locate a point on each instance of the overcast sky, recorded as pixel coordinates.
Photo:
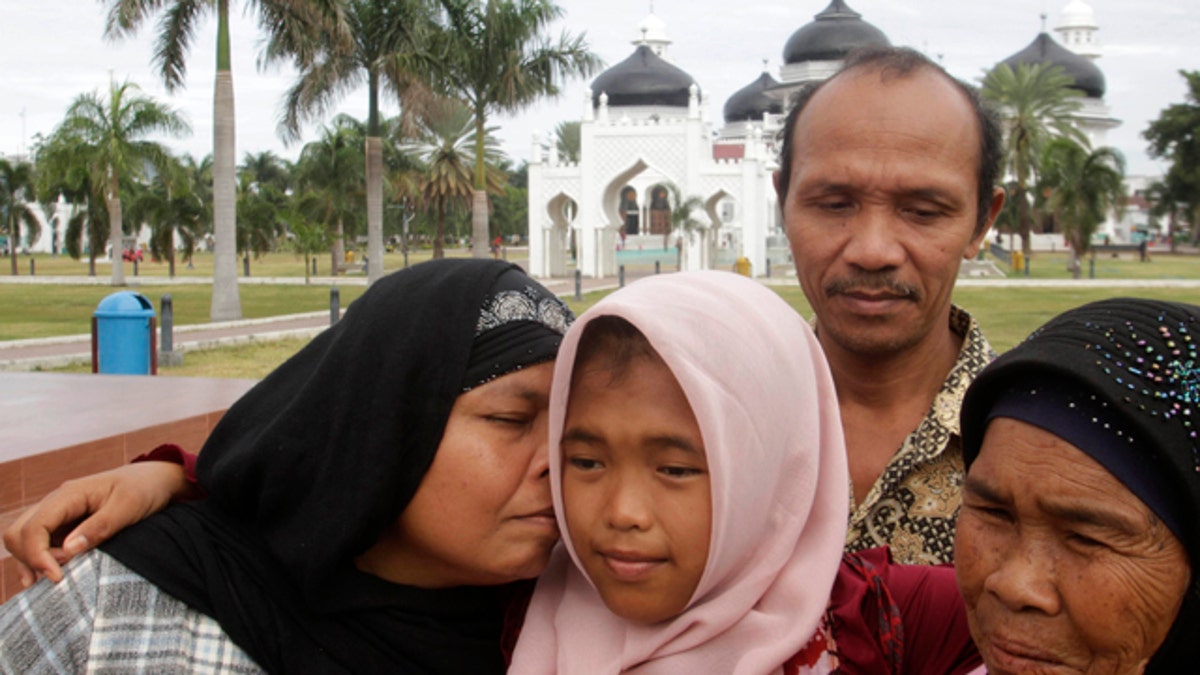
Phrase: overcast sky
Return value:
(53, 50)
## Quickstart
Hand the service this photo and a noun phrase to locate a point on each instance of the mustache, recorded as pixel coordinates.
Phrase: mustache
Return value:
(872, 282)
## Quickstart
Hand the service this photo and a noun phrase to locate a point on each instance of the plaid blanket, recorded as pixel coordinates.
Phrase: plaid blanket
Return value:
(104, 618)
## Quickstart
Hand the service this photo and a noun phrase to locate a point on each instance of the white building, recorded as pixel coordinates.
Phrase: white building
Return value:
(645, 126)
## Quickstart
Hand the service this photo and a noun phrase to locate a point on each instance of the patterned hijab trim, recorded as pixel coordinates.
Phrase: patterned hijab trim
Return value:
(520, 325)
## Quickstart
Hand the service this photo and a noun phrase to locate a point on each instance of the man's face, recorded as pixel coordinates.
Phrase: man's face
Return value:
(882, 207)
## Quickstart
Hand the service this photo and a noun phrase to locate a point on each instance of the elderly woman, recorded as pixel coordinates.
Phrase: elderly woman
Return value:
(1079, 535)
(372, 504)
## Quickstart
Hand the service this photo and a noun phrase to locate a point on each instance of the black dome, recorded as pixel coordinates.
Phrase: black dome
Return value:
(643, 79)
(1044, 49)
(834, 33)
(751, 101)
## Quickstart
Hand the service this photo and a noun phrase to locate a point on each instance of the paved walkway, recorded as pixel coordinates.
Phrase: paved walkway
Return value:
(59, 351)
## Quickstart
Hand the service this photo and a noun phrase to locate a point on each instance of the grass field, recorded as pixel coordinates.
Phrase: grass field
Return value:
(270, 265)
(50, 310)
(1007, 315)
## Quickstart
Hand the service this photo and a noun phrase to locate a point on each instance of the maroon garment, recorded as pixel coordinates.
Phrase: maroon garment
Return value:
(169, 452)
(898, 619)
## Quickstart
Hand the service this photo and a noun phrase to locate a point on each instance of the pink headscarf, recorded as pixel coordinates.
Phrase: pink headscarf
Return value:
(761, 391)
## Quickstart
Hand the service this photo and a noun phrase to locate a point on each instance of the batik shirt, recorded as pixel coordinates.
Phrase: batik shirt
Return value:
(914, 504)
(104, 618)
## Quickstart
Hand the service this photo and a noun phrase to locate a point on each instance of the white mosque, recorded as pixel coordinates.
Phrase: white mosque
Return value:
(645, 126)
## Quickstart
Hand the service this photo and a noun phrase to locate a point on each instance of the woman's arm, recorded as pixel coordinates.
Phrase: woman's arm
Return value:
(83, 513)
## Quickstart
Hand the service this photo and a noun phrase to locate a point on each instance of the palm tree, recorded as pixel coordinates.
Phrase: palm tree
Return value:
(1175, 136)
(307, 236)
(682, 221)
(494, 56)
(1082, 187)
(173, 211)
(265, 173)
(1167, 198)
(288, 24)
(567, 141)
(331, 170)
(387, 36)
(50, 214)
(263, 183)
(1036, 103)
(87, 228)
(61, 170)
(446, 145)
(109, 135)
(200, 180)
(16, 198)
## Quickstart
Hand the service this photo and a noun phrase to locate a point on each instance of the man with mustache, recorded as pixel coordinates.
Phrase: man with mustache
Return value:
(887, 182)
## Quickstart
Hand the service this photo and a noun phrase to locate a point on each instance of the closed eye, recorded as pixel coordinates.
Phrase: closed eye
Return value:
(994, 513)
(1085, 541)
(835, 205)
(509, 420)
(923, 213)
(680, 471)
(584, 463)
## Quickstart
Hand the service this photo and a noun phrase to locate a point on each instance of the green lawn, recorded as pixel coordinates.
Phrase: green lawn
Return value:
(1124, 266)
(49, 310)
(1007, 315)
(270, 265)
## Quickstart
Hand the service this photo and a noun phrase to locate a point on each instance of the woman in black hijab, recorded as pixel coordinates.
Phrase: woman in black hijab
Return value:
(371, 503)
(1079, 534)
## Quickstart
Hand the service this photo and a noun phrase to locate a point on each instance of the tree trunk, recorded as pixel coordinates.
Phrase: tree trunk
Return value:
(171, 258)
(226, 305)
(440, 233)
(480, 237)
(12, 246)
(479, 224)
(374, 153)
(1024, 222)
(337, 249)
(114, 233)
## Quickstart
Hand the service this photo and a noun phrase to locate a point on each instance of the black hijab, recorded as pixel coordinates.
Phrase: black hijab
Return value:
(307, 469)
(1129, 370)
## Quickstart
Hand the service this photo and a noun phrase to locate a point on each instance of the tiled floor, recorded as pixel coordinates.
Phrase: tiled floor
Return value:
(56, 427)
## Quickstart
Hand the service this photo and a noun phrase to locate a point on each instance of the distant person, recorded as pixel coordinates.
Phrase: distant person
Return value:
(887, 181)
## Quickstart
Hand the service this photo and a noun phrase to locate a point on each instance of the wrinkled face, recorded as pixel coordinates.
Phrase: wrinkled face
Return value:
(882, 207)
(482, 514)
(636, 488)
(1062, 568)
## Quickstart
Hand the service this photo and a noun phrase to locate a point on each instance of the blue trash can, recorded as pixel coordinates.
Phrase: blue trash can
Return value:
(123, 335)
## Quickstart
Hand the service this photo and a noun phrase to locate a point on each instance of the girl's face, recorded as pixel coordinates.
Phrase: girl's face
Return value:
(483, 513)
(636, 487)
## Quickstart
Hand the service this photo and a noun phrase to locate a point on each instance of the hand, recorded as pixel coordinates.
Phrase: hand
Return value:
(105, 502)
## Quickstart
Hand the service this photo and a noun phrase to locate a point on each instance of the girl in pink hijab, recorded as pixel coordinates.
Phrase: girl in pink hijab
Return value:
(699, 477)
